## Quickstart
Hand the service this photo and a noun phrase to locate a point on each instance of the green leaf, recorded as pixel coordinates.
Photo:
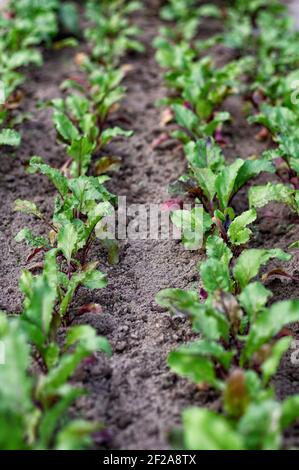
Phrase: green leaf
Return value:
(77, 105)
(205, 430)
(27, 207)
(99, 212)
(51, 355)
(217, 249)
(225, 183)
(210, 323)
(86, 190)
(51, 271)
(260, 196)
(67, 241)
(250, 169)
(109, 134)
(250, 261)
(209, 349)
(269, 323)
(76, 435)
(69, 17)
(206, 181)
(88, 337)
(90, 278)
(52, 417)
(197, 368)
(65, 127)
(95, 280)
(34, 241)
(290, 411)
(185, 117)
(203, 154)
(15, 382)
(72, 286)
(294, 245)
(85, 342)
(23, 58)
(178, 300)
(16, 407)
(10, 137)
(254, 298)
(215, 275)
(39, 304)
(270, 366)
(238, 232)
(211, 11)
(55, 176)
(276, 118)
(80, 150)
(260, 426)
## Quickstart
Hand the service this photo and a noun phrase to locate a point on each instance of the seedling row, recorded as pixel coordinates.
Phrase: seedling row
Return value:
(242, 338)
(37, 394)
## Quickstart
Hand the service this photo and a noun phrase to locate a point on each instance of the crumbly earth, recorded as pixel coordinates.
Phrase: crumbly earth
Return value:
(134, 392)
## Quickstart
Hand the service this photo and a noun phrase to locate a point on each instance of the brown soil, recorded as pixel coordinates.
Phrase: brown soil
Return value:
(134, 393)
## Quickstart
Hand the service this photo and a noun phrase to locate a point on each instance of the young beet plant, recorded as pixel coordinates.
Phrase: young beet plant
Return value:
(265, 31)
(187, 17)
(82, 204)
(242, 339)
(282, 123)
(33, 410)
(240, 349)
(81, 118)
(214, 183)
(36, 407)
(200, 88)
(260, 428)
(24, 25)
(16, 51)
(37, 413)
(111, 32)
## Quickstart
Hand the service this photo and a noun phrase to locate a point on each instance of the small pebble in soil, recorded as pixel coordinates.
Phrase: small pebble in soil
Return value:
(121, 346)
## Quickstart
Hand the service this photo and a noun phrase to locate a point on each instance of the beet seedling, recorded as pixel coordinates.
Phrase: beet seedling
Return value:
(111, 32)
(187, 17)
(36, 406)
(260, 428)
(80, 119)
(214, 184)
(36, 409)
(242, 340)
(200, 88)
(82, 204)
(23, 28)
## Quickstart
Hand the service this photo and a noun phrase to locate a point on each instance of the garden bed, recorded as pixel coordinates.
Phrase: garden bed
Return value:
(134, 392)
